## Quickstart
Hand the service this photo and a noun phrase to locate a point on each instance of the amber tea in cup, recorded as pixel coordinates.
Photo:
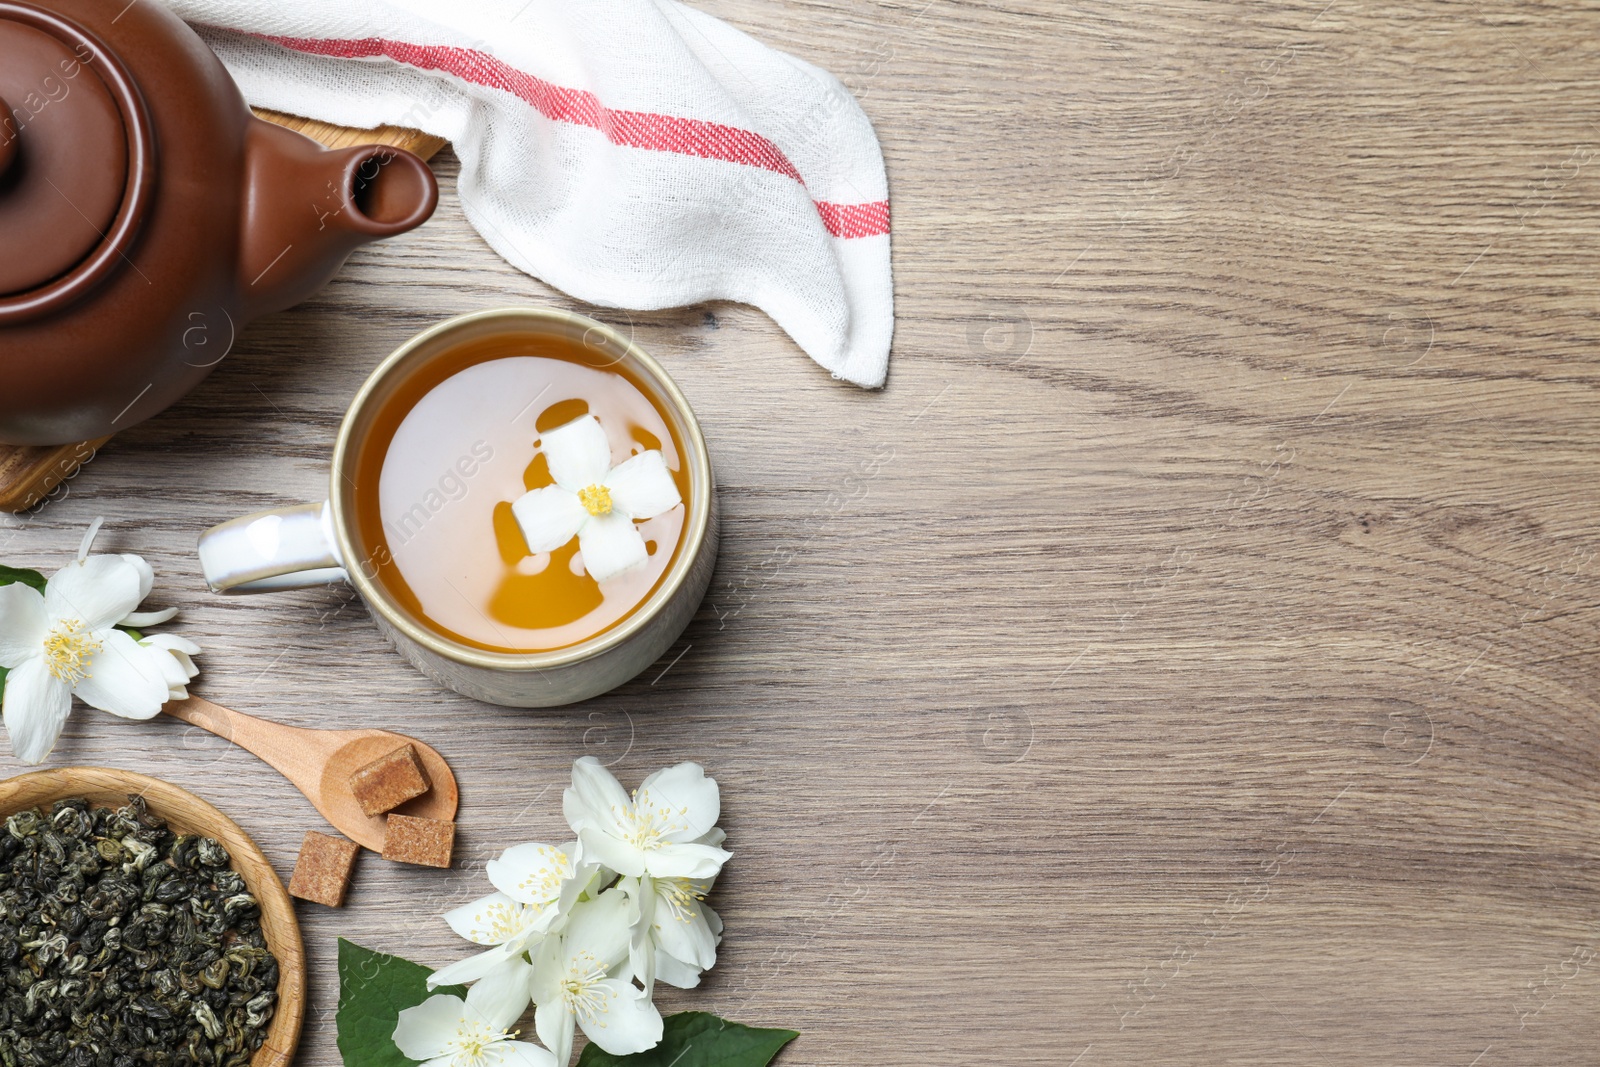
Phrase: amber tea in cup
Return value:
(523, 499)
(450, 452)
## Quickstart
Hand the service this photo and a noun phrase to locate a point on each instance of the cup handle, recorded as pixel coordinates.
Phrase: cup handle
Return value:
(289, 548)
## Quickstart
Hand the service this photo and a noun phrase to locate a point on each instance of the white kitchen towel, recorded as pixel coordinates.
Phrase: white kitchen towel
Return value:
(633, 153)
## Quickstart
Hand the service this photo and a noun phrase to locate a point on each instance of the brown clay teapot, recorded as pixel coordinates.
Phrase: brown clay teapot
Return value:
(146, 215)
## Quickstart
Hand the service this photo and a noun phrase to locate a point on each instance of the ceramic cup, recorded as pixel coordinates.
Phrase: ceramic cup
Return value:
(315, 544)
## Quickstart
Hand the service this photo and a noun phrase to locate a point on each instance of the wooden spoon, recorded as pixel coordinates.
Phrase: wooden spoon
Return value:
(319, 764)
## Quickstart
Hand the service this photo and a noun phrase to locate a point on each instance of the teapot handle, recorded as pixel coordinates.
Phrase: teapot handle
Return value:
(270, 551)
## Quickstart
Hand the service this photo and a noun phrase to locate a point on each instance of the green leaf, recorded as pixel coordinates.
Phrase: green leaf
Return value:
(131, 632)
(9, 575)
(699, 1039)
(374, 989)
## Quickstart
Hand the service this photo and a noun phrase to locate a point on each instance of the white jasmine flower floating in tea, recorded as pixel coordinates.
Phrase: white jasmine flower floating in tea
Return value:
(594, 501)
(600, 919)
(73, 636)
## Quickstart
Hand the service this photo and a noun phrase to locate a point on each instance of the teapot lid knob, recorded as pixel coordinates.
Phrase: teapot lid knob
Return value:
(8, 138)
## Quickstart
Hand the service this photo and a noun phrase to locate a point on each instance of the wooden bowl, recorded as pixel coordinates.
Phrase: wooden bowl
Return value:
(186, 813)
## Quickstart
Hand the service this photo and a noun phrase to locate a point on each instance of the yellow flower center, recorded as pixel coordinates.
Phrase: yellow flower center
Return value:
(501, 922)
(680, 896)
(596, 499)
(579, 988)
(545, 883)
(474, 1044)
(646, 822)
(69, 650)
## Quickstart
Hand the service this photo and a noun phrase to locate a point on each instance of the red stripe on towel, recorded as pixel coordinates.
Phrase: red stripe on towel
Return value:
(631, 129)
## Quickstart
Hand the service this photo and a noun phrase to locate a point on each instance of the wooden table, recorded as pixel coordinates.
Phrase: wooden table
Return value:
(1188, 658)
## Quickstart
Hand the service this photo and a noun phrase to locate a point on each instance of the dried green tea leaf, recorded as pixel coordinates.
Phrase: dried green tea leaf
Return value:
(124, 943)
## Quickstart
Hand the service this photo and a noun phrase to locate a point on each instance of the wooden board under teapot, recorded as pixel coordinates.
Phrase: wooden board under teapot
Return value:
(28, 474)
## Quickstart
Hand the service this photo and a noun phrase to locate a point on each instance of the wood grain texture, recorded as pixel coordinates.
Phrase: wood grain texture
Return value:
(1189, 657)
(186, 813)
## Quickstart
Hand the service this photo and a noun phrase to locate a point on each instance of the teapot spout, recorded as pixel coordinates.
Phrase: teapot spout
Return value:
(306, 208)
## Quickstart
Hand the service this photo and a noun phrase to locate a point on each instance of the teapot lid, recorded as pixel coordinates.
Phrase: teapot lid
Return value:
(76, 160)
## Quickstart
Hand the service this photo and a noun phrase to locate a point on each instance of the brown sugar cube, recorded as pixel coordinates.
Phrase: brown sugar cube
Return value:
(322, 873)
(389, 781)
(426, 842)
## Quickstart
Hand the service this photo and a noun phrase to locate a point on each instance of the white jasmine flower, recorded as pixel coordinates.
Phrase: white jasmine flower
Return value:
(594, 501)
(177, 666)
(509, 927)
(625, 901)
(665, 829)
(573, 985)
(446, 1031)
(538, 885)
(677, 935)
(64, 643)
(147, 581)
